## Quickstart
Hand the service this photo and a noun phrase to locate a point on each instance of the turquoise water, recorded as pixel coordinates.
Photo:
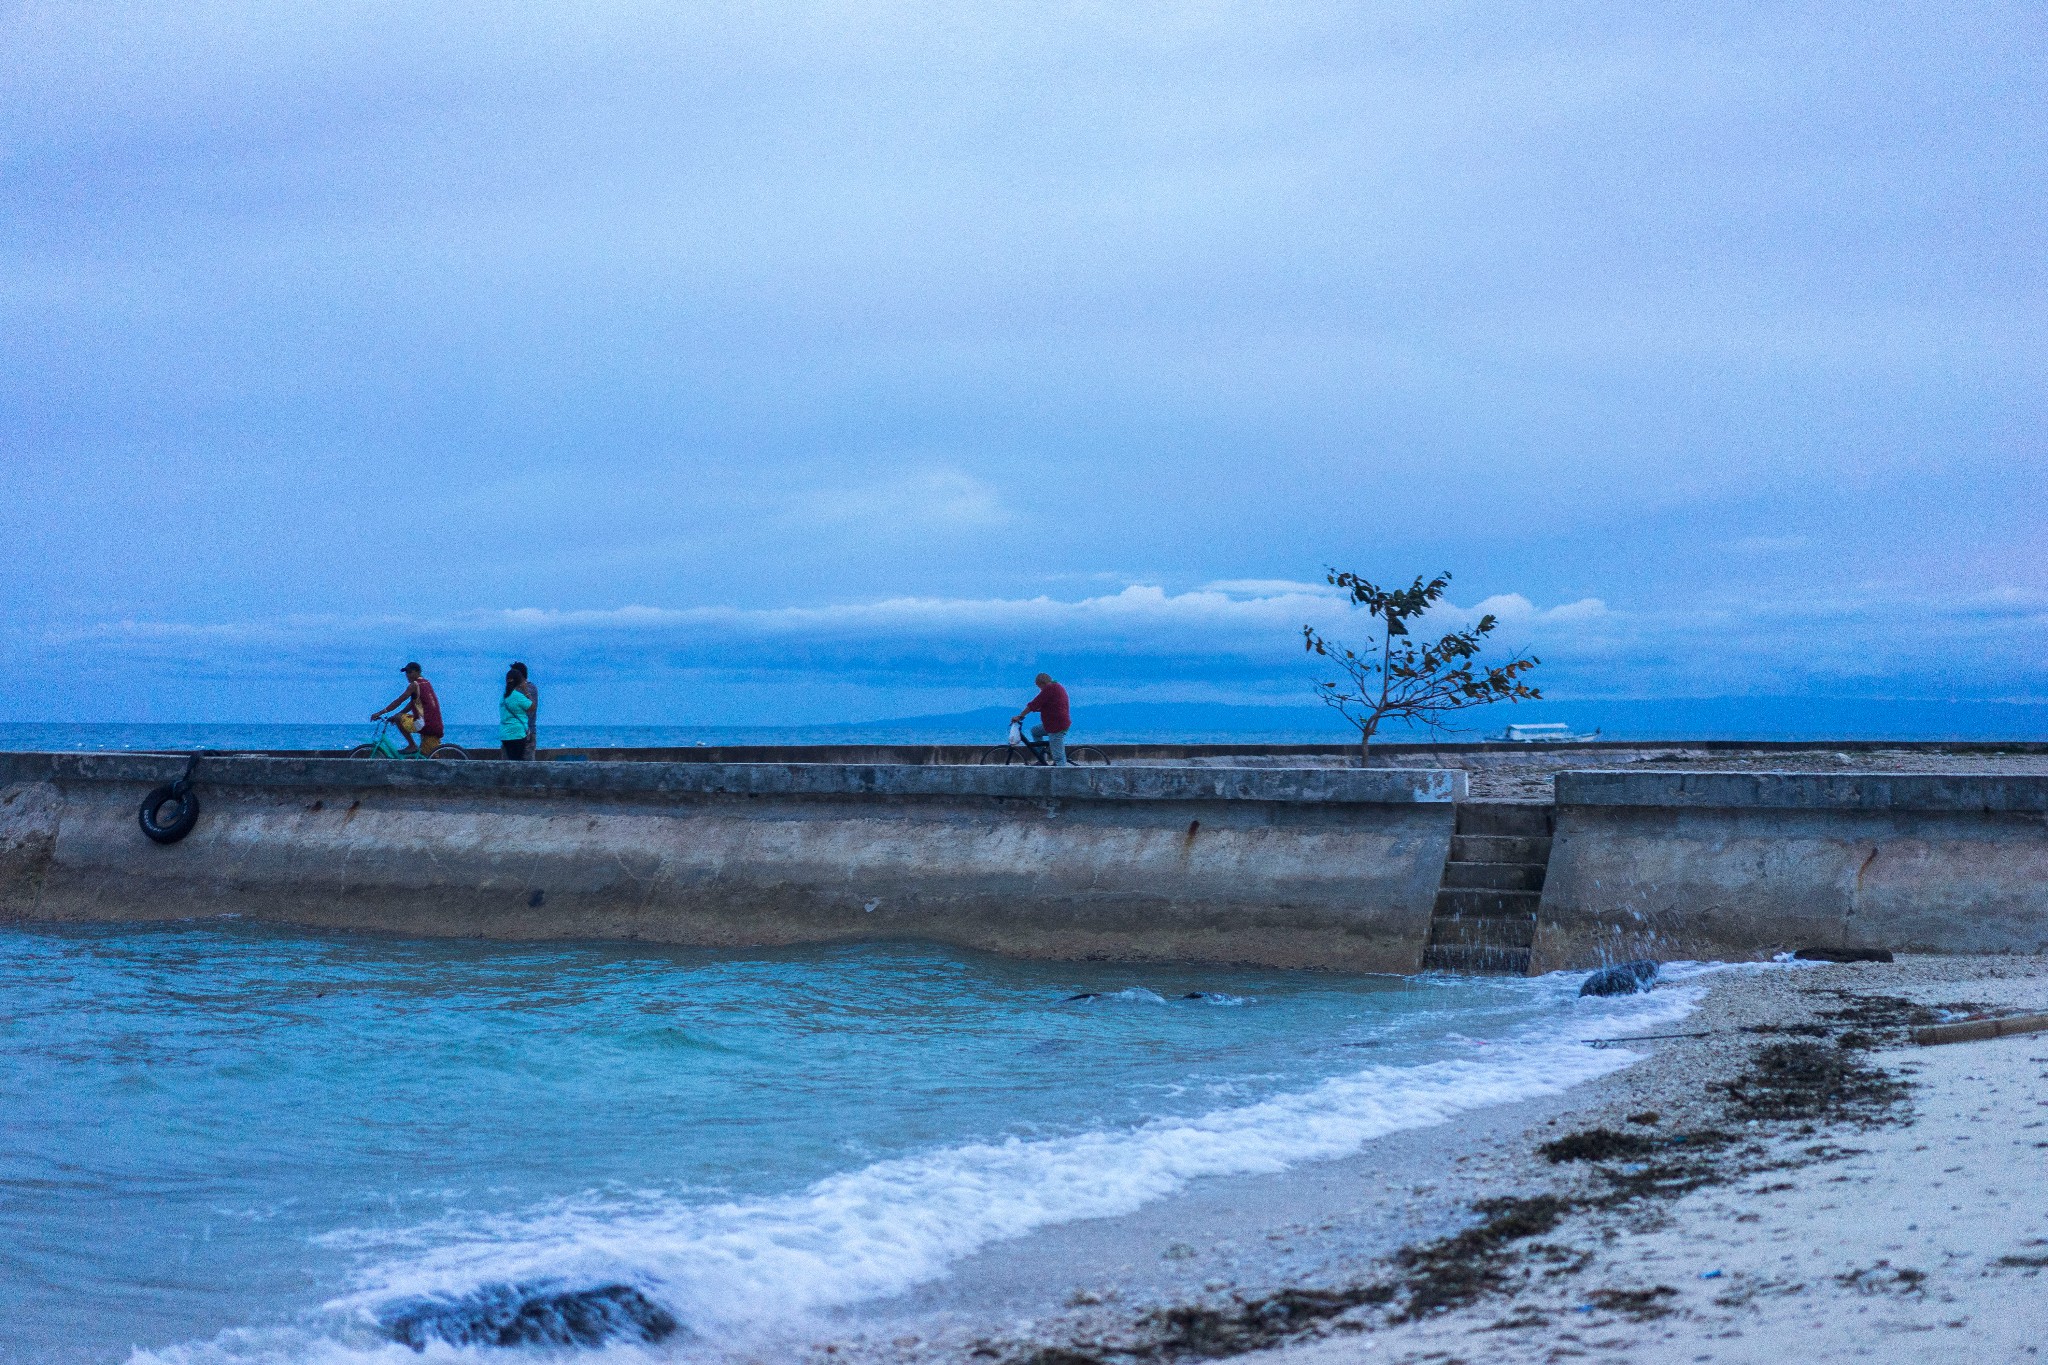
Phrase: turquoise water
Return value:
(234, 1144)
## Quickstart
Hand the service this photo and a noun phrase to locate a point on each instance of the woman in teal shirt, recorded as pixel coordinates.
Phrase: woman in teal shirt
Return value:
(515, 717)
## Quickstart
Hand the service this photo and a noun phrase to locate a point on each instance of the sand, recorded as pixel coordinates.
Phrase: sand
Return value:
(1896, 1210)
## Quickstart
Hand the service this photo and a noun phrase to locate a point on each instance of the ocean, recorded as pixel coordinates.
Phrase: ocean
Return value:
(230, 1143)
(1760, 718)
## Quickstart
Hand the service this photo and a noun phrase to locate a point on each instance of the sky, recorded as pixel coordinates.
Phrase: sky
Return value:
(774, 362)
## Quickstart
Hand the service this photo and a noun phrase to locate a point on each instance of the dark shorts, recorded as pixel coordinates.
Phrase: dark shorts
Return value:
(513, 748)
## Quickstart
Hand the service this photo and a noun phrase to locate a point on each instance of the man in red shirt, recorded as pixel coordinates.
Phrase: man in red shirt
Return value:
(417, 711)
(1054, 717)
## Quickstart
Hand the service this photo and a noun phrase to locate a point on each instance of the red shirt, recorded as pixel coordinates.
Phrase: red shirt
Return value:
(1051, 706)
(430, 708)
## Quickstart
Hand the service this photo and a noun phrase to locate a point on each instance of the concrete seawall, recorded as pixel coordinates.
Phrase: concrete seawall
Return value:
(1322, 867)
(1741, 865)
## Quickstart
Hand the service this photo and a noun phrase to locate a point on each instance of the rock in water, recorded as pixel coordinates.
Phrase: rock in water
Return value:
(532, 1315)
(1623, 978)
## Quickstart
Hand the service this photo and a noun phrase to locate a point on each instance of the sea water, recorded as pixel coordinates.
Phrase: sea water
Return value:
(229, 1143)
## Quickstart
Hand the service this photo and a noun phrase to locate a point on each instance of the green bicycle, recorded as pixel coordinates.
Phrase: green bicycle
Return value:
(381, 745)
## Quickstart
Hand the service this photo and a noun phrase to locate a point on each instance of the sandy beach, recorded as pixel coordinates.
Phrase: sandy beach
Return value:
(1794, 1178)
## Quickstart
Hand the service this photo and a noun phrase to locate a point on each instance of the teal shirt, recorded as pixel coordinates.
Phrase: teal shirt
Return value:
(515, 714)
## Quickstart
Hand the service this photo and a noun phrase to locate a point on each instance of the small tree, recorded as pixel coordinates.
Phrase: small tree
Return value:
(1416, 682)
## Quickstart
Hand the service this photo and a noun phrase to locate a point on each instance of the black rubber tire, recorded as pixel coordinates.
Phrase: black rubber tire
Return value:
(997, 758)
(363, 751)
(178, 795)
(1087, 756)
(448, 751)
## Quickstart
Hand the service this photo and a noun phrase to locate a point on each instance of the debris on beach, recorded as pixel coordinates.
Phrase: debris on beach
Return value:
(1884, 1278)
(1842, 955)
(1981, 1029)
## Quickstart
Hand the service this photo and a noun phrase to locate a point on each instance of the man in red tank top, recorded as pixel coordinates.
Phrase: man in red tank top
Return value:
(1055, 717)
(417, 710)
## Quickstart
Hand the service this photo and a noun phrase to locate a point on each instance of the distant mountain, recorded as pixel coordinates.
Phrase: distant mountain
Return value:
(1632, 718)
(1137, 722)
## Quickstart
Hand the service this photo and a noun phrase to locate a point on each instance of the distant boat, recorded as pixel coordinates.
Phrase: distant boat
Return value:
(1543, 734)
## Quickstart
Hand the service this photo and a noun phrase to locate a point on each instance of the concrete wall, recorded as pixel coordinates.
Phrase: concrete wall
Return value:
(1743, 865)
(1326, 868)
(1472, 754)
(1312, 867)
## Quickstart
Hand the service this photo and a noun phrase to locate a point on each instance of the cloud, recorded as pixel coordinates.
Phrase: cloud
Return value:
(1270, 587)
(1142, 640)
(919, 500)
(1513, 608)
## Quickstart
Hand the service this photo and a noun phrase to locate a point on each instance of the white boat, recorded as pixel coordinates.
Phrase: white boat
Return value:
(1543, 734)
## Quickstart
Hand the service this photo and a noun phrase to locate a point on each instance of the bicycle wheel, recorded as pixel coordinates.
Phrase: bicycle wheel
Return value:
(997, 757)
(363, 751)
(448, 751)
(1087, 756)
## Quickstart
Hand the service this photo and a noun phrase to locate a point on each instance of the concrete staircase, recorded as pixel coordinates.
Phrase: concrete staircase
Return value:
(1485, 915)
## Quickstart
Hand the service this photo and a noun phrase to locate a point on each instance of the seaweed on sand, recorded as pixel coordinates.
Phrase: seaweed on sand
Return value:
(1453, 1271)
(1884, 1278)
(1210, 1333)
(1889, 1016)
(1658, 1166)
(1059, 1355)
(1808, 1077)
(1640, 1304)
(1802, 1030)
(1447, 1273)
(1599, 1144)
(1812, 1081)
(1662, 1180)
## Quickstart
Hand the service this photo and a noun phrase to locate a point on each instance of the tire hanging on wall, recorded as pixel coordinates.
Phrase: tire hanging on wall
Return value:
(182, 805)
(179, 800)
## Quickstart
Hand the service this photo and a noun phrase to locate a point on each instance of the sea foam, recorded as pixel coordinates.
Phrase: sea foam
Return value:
(725, 1267)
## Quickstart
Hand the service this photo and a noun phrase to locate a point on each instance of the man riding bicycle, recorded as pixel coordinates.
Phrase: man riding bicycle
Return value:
(1054, 717)
(416, 711)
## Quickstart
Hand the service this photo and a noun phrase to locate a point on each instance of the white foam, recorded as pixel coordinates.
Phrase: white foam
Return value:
(865, 1234)
(1137, 995)
(881, 1229)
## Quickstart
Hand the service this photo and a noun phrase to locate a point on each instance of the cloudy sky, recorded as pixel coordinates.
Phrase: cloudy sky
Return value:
(774, 361)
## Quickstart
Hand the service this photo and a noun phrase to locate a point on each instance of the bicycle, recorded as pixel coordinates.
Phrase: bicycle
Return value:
(381, 746)
(1021, 749)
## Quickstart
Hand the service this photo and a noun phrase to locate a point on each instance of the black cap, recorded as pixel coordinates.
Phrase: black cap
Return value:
(411, 668)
